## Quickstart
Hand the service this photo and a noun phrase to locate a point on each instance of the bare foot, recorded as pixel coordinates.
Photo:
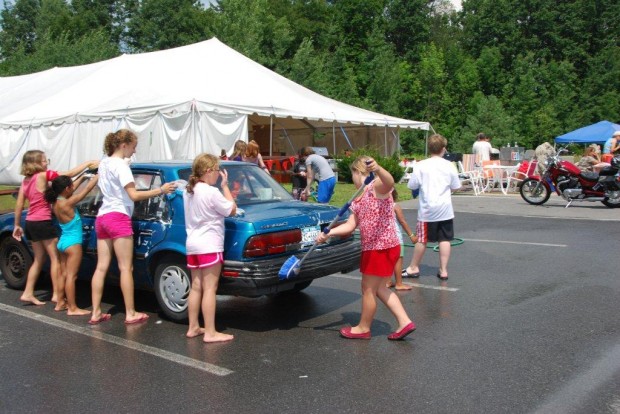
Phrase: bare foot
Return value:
(61, 306)
(402, 286)
(31, 299)
(77, 312)
(389, 284)
(54, 298)
(195, 332)
(217, 337)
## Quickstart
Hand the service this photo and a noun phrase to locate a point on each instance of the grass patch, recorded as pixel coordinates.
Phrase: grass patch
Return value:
(344, 191)
(7, 201)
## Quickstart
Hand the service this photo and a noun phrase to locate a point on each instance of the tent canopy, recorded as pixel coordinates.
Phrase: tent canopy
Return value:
(181, 102)
(596, 133)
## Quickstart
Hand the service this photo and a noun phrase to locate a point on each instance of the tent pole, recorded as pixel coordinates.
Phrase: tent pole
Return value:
(385, 139)
(270, 135)
(334, 136)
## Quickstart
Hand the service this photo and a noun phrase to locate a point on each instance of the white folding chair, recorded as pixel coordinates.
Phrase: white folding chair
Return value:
(472, 178)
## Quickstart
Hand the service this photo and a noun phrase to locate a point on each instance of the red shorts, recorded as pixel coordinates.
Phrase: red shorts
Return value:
(380, 262)
(113, 226)
(200, 261)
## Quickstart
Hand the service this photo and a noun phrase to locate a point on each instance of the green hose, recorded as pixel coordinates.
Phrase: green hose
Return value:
(455, 242)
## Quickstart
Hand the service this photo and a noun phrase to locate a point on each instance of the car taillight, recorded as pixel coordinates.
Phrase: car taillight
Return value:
(272, 243)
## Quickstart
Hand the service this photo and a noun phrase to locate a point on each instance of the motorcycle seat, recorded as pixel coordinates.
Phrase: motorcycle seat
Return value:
(589, 175)
(608, 171)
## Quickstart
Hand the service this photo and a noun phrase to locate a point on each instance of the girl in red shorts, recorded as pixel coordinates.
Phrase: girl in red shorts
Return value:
(373, 213)
(205, 209)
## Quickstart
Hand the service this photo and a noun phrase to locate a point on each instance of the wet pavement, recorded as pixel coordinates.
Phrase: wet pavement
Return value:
(527, 322)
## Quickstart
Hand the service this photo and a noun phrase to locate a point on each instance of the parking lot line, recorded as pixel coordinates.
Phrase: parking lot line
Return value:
(517, 242)
(420, 285)
(88, 331)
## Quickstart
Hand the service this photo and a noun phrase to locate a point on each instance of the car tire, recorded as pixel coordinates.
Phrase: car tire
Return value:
(172, 286)
(15, 260)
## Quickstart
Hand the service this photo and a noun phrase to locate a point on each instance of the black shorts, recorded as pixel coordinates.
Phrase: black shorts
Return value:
(436, 231)
(41, 230)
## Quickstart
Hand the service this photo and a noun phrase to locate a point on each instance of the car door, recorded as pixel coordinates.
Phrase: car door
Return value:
(150, 222)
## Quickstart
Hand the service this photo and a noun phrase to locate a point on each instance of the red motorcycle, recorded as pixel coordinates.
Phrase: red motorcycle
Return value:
(572, 184)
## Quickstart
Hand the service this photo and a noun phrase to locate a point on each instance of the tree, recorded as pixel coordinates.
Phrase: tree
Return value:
(487, 115)
(163, 24)
(18, 27)
(59, 51)
(250, 28)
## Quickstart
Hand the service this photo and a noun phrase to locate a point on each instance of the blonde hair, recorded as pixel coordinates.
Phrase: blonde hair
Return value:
(239, 149)
(31, 163)
(252, 149)
(115, 139)
(436, 143)
(592, 149)
(359, 165)
(202, 163)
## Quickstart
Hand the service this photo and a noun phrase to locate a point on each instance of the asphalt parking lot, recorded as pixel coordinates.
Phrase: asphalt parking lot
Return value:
(528, 322)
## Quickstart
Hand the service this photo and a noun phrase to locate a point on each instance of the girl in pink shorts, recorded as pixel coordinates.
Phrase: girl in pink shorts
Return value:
(113, 224)
(205, 209)
(373, 213)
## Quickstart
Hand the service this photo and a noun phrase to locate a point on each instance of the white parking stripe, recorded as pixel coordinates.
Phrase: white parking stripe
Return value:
(517, 242)
(88, 331)
(435, 287)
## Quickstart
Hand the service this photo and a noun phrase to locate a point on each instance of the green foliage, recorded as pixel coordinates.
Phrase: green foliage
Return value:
(389, 163)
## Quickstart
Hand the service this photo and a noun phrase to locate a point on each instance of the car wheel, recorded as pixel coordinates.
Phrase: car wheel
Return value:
(172, 286)
(15, 260)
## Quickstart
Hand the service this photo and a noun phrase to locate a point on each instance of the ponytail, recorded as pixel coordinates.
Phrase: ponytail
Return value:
(58, 185)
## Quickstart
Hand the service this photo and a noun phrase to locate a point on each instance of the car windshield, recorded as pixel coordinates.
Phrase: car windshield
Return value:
(248, 184)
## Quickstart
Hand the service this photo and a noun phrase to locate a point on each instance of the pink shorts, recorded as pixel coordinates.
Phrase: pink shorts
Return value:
(200, 261)
(113, 226)
(379, 262)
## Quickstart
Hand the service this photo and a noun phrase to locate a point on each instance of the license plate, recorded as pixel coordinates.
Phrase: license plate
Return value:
(309, 234)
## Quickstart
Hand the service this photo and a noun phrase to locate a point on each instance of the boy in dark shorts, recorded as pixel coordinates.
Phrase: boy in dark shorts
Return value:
(298, 178)
(436, 179)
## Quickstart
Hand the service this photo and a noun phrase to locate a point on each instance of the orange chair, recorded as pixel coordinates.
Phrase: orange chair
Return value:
(607, 158)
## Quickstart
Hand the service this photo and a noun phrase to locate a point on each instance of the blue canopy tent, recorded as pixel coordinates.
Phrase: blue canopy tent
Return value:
(596, 133)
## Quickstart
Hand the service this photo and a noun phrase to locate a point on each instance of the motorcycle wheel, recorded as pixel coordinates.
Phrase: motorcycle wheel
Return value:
(534, 192)
(611, 202)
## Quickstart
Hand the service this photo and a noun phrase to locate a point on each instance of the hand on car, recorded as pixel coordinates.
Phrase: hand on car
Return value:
(168, 188)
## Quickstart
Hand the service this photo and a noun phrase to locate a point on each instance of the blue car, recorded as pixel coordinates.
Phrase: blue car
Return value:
(269, 227)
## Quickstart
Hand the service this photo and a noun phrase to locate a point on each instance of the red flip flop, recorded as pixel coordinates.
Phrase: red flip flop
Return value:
(141, 319)
(104, 317)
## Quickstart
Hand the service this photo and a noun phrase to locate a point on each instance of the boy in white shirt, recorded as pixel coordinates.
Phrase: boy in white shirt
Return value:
(436, 178)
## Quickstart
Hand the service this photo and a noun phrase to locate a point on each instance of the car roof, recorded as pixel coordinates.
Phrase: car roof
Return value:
(174, 164)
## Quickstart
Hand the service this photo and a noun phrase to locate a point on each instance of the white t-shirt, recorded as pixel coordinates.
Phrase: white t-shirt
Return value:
(204, 219)
(114, 175)
(435, 177)
(483, 148)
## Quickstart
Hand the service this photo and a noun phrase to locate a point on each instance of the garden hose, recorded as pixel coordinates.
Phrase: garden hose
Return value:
(455, 242)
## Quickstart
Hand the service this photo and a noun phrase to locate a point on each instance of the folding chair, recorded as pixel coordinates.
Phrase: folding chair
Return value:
(471, 178)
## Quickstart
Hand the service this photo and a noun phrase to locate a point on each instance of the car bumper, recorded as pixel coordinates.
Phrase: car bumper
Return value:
(260, 277)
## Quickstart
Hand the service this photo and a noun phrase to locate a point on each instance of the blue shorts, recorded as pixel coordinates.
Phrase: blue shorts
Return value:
(68, 240)
(326, 190)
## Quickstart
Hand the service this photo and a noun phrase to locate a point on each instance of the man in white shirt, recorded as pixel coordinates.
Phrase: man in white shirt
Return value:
(482, 147)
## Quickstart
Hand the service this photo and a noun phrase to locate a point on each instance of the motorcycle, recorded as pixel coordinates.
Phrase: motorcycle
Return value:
(572, 184)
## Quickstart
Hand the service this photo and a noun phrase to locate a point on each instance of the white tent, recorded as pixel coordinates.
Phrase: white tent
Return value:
(181, 102)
